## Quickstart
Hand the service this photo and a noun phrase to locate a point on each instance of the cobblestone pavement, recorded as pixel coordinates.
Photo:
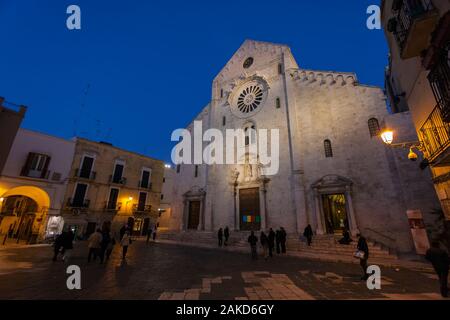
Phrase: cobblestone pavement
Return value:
(163, 271)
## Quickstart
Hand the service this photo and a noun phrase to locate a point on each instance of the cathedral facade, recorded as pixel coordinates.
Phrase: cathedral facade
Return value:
(334, 173)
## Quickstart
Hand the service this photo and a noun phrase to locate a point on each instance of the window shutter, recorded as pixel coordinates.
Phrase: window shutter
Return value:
(45, 168)
(26, 168)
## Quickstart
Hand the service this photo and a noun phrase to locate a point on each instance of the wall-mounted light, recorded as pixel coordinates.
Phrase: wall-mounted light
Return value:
(387, 136)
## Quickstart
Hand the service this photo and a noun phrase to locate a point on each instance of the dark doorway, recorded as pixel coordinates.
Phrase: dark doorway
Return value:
(118, 172)
(335, 211)
(112, 202)
(80, 193)
(86, 167)
(142, 200)
(249, 209)
(194, 215)
(146, 226)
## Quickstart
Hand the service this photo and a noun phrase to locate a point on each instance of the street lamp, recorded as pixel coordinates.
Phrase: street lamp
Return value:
(388, 138)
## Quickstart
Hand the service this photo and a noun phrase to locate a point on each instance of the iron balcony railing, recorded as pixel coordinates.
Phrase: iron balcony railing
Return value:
(435, 134)
(116, 180)
(145, 209)
(90, 175)
(112, 207)
(439, 78)
(74, 203)
(143, 185)
(405, 13)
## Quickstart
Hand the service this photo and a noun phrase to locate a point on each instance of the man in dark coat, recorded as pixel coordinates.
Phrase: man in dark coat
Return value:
(440, 261)
(57, 245)
(308, 233)
(362, 246)
(277, 241)
(253, 240)
(271, 238)
(283, 237)
(220, 237)
(226, 234)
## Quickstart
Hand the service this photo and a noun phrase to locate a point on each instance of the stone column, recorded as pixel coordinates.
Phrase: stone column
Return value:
(299, 201)
(262, 206)
(318, 210)
(351, 213)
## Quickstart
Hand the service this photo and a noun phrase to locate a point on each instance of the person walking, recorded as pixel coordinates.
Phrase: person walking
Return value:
(122, 231)
(308, 234)
(363, 250)
(271, 239)
(283, 237)
(67, 244)
(125, 242)
(346, 239)
(106, 239)
(149, 234)
(265, 245)
(253, 240)
(154, 233)
(220, 237)
(277, 241)
(57, 246)
(226, 234)
(110, 247)
(440, 261)
(94, 244)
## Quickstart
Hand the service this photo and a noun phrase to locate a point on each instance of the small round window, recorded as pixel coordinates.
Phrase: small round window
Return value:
(248, 62)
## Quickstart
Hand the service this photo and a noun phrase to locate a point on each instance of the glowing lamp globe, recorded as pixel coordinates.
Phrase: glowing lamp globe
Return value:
(387, 136)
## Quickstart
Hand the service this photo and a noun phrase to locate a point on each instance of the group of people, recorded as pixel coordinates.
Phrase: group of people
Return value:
(223, 234)
(63, 245)
(273, 240)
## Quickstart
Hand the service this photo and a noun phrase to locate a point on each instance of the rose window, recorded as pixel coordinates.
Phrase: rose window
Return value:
(250, 99)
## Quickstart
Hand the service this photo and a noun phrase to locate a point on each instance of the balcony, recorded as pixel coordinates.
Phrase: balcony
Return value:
(142, 209)
(412, 25)
(435, 137)
(439, 78)
(84, 174)
(143, 185)
(77, 207)
(117, 180)
(112, 207)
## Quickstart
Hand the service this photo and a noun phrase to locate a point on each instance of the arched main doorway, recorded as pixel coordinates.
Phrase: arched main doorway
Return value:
(22, 212)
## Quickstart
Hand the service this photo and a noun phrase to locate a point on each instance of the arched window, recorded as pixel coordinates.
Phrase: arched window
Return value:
(374, 127)
(278, 103)
(280, 68)
(250, 134)
(328, 149)
(224, 121)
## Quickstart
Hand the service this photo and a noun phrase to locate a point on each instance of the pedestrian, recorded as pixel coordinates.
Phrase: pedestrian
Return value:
(220, 237)
(110, 247)
(106, 239)
(265, 245)
(226, 234)
(125, 242)
(94, 244)
(271, 239)
(277, 241)
(149, 234)
(57, 246)
(67, 244)
(440, 261)
(308, 234)
(123, 230)
(253, 240)
(363, 255)
(346, 239)
(283, 237)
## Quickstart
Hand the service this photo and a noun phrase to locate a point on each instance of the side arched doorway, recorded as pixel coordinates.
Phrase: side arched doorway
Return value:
(23, 213)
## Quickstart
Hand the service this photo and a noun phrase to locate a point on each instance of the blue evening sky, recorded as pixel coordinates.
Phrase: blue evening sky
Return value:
(150, 64)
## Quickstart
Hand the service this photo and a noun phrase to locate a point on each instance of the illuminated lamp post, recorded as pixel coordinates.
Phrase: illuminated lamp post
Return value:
(388, 138)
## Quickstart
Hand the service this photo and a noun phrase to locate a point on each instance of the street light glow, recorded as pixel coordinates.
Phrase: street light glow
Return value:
(388, 136)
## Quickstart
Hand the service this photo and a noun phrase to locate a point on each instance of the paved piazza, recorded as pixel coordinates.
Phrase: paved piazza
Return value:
(164, 271)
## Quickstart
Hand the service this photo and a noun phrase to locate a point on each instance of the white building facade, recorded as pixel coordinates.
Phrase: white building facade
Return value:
(334, 171)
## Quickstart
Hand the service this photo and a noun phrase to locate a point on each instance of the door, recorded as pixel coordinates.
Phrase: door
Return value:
(335, 212)
(118, 172)
(86, 167)
(249, 209)
(142, 200)
(113, 195)
(145, 179)
(80, 193)
(194, 215)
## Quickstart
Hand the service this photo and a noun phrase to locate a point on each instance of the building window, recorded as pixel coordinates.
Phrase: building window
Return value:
(145, 178)
(162, 196)
(374, 127)
(224, 121)
(196, 171)
(278, 103)
(36, 166)
(117, 176)
(280, 68)
(164, 180)
(178, 168)
(221, 93)
(328, 149)
(248, 63)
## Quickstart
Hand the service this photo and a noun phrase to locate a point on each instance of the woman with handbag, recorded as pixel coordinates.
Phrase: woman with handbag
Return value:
(362, 254)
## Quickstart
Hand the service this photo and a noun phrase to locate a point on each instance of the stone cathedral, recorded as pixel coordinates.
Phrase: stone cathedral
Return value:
(334, 170)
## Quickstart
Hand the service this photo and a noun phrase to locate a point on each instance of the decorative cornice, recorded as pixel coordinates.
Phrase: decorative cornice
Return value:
(322, 78)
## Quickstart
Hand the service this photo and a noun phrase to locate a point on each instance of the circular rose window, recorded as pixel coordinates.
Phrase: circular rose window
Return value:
(249, 98)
